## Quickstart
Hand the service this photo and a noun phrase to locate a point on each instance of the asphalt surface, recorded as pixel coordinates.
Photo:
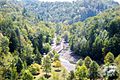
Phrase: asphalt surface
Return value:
(60, 49)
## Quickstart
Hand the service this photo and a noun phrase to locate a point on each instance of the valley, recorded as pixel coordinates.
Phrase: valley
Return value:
(78, 40)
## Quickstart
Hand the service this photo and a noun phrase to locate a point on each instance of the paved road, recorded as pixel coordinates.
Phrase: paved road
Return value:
(59, 48)
(67, 64)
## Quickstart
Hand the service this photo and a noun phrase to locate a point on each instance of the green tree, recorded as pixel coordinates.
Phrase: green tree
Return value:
(7, 67)
(94, 71)
(117, 62)
(117, 59)
(56, 57)
(64, 74)
(71, 76)
(87, 61)
(57, 64)
(5, 45)
(110, 72)
(55, 76)
(19, 65)
(109, 58)
(14, 74)
(80, 62)
(34, 68)
(66, 36)
(38, 57)
(14, 42)
(26, 75)
(46, 64)
(46, 47)
(81, 72)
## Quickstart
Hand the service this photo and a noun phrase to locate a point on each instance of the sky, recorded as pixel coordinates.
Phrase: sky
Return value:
(67, 0)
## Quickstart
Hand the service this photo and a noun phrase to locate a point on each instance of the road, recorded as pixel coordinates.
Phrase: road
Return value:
(60, 49)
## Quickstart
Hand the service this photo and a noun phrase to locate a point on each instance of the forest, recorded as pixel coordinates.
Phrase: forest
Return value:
(77, 40)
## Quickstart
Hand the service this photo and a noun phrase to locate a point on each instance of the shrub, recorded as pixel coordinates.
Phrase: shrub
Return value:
(34, 68)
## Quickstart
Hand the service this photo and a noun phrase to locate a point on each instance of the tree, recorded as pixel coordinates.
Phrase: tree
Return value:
(66, 36)
(57, 64)
(110, 72)
(14, 42)
(26, 75)
(109, 58)
(46, 64)
(19, 65)
(81, 72)
(46, 47)
(64, 74)
(56, 57)
(34, 68)
(3, 2)
(5, 45)
(71, 76)
(94, 71)
(55, 76)
(117, 60)
(38, 57)
(14, 74)
(80, 62)
(87, 61)
(7, 67)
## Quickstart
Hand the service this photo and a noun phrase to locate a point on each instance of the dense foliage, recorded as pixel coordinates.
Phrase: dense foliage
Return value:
(21, 41)
(97, 36)
(27, 36)
(67, 12)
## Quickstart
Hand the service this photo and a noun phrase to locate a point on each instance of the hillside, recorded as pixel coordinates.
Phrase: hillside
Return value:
(67, 12)
(97, 35)
(77, 40)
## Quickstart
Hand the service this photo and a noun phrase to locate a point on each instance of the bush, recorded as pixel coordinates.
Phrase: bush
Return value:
(34, 69)
(57, 64)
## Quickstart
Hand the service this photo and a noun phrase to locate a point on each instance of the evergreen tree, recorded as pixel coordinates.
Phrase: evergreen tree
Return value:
(117, 62)
(117, 59)
(5, 45)
(38, 57)
(14, 42)
(81, 72)
(71, 76)
(56, 57)
(87, 61)
(46, 64)
(46, 47)
(109, 58)
(19, 65)
(80, 62)
(94, 71)
(26, 75)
